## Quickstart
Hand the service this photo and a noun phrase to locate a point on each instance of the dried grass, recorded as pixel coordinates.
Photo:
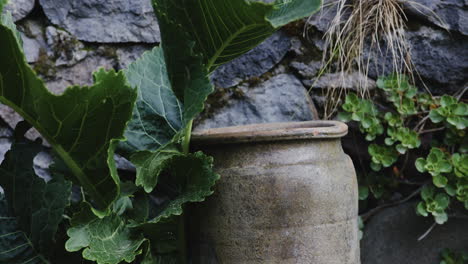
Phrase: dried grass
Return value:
(361, 32)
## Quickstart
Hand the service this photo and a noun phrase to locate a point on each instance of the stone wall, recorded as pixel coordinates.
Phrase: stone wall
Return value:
(65, 41)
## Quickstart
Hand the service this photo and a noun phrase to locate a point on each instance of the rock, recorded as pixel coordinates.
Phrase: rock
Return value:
(307, 71)
(64, 48)
(19, 9)
(321, 20)
(447, 14)
(44, 159)
(441, 59)
(392, 237)
(281, 99)
(9, 116)
(255, 63)
(5, 144)
(81, 73)
(41, 162)
(103, 21)
(127, 55)
(12, 118)
(124, 164)
(353, 81)
(34, 43)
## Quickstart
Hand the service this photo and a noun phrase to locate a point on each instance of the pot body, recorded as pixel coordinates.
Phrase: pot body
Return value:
(278, 202)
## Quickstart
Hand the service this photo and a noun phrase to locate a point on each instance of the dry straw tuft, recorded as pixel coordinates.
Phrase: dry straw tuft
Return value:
(361, 32)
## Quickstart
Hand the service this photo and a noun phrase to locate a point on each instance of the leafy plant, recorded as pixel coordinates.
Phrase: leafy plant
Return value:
(144, 113)
(408, 139)
(433, 203)
(364, 112)
(452, 112)
(395, 136)
(400, 92)
(451, 257)
(382, 156)
(436, 163)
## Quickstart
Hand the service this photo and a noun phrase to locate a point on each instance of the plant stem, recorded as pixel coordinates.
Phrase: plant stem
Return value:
(187, 136)
(370, 213)
(431, 130)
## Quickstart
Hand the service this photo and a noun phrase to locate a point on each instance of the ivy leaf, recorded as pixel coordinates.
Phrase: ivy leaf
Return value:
(38, 206)
(107, 241)
(82, 124)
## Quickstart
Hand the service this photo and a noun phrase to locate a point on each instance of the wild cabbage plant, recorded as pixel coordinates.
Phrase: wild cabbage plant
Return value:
(144, 113)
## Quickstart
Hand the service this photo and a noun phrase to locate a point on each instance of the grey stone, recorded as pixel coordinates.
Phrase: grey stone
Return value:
(19, 9)
(440, 59)
(124, 164)
(127, 55)
(281, 99)
(103, 21)
(447, 14)
(307, 71)
(392, 237)
(322, 20)
(9, 116)
(34, 43)
(63, 47)
(5, 144)
(255, 63)
(44, 159)
(12, 119)
(81, 72)
(353, 81)
(41, 162)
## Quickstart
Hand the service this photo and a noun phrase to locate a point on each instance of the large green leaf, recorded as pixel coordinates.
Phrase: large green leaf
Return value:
(107, 241)
(224, 30)
(14, 245)
(2, 4)
(150, 165)
(185, 178)
(81, 124)
(157, 116)
(37, 206)
(196, 37)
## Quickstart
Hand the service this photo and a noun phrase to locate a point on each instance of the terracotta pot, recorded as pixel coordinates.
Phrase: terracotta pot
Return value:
(287, 194)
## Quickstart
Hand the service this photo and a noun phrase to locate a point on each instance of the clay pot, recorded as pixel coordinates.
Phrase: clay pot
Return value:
(287, 194)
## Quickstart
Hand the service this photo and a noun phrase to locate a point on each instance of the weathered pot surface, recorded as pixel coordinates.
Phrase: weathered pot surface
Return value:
(287, 194)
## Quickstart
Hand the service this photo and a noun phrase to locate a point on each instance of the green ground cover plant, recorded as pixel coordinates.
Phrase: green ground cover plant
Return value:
(88, 212)
(415, 139)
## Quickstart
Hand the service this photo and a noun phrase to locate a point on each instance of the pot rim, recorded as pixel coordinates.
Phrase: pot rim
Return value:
(310, 130)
